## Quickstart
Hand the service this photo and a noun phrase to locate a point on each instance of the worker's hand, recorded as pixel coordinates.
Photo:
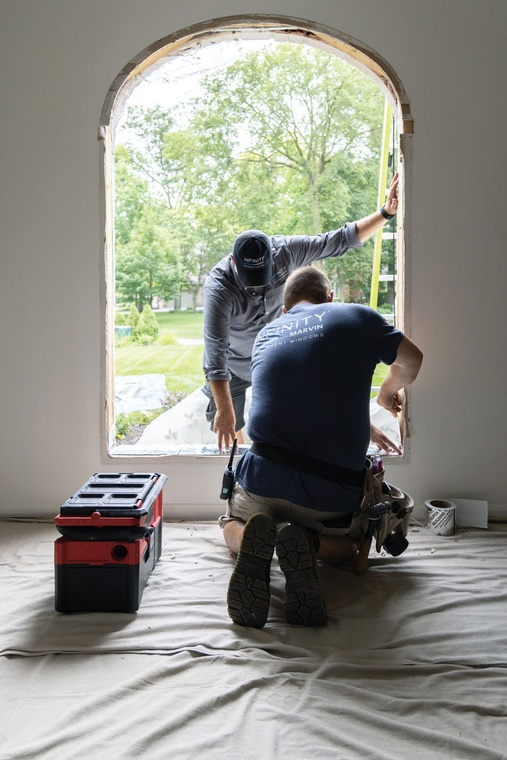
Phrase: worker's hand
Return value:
(381, 440)
(225, 428)
(391, 204)
(393, 403)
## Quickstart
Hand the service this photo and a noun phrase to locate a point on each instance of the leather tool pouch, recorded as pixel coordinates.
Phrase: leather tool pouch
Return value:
(384, 513)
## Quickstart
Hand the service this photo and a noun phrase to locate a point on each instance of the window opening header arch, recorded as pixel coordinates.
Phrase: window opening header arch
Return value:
(161, 59)
(297, 31)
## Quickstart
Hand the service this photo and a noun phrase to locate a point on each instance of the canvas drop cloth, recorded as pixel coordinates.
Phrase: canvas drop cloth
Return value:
(413, 662)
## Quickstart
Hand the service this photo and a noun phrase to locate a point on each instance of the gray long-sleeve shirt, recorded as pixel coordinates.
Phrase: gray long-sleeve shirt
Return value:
(233, 316)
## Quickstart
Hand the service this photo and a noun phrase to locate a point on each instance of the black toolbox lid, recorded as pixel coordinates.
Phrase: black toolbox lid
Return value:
(127, 494)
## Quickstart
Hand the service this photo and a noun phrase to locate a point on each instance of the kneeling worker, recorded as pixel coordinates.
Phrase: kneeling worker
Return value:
(312, 370)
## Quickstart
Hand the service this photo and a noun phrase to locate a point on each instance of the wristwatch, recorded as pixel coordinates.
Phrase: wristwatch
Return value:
(386, 214)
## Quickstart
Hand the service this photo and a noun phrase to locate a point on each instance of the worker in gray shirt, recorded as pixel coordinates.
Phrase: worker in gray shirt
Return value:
(244, 292)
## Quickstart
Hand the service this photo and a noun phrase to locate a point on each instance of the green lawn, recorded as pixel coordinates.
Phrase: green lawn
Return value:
(183, 324)
(181, 364)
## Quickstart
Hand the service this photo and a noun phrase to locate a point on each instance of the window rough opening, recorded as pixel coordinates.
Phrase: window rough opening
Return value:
(184, 46)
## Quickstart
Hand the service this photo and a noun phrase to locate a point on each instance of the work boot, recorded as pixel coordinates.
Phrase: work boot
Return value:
(248, 593)
(304, 603)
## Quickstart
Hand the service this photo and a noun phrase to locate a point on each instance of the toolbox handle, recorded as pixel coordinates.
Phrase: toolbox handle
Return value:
(95, 520)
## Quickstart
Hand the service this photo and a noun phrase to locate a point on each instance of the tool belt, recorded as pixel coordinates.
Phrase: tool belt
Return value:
(384, 512)
(300, 461)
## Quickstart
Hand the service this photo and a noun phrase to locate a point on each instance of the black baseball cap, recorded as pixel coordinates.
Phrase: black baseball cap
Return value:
(254, 261)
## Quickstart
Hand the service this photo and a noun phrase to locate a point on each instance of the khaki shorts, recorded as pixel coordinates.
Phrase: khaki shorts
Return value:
(244, 504)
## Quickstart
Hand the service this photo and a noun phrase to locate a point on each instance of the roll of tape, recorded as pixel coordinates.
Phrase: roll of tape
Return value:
(440, 517)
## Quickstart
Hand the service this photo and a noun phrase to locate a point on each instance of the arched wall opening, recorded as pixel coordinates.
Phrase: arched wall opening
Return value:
(211, 32)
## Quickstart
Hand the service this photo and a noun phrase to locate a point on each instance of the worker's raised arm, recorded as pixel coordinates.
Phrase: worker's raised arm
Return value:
(367, 226)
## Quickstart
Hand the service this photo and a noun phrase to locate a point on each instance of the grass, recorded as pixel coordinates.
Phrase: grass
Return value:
(183, 324)
(181, 364)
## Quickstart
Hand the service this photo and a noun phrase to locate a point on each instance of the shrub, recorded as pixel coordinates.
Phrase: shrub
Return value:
(125, 423)
(167, 338)
(133, 317)
(144, 339)
(120, 318)
(147, 324)
(122, 424)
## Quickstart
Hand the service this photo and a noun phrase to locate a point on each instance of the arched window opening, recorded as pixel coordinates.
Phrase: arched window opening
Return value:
(206, 135)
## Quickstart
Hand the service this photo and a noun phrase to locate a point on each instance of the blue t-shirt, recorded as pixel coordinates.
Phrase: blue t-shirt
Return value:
(312, 370)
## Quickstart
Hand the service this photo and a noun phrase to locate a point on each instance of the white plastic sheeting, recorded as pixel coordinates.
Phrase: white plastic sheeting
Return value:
(133, 393)
(185, 423)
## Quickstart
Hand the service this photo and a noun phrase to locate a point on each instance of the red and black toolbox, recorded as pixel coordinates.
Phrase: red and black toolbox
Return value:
(111, 541)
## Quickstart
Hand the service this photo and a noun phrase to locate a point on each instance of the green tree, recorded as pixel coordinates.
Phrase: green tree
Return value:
(202, 235)
(150, 162)
(186, 172)
(306, 115)
(132, 195)
(305, 130)
(286, 139)
(148, 265)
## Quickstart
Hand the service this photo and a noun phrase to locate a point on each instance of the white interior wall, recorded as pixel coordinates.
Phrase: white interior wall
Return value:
(58, 60)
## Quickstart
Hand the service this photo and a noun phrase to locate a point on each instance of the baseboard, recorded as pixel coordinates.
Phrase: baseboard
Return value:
(47, 512)
(497, 513)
